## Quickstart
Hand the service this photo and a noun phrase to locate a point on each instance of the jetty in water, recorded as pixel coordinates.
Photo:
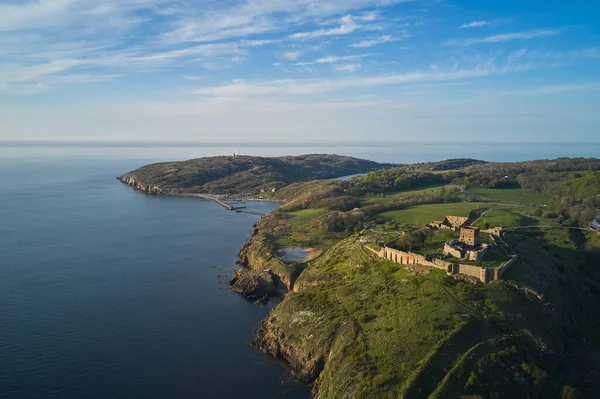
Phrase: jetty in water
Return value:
(226, 205)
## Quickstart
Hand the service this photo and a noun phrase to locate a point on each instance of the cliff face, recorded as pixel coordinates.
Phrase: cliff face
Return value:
(322, 344)
(132, 181)
(358, 326)
(262, 274)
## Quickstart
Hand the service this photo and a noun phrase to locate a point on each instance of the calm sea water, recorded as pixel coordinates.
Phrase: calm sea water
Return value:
(108, 293)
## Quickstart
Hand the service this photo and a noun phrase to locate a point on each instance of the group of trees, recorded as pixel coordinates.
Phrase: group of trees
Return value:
(343, 222)
(572, 184)
(395, 179)
(413, 240)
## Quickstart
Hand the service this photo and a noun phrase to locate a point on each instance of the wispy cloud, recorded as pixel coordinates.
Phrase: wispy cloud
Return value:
(347, 26)
(554, 89)
(242, 89)
(193, 78)
(373, 42)
(221, 20)
(347, 67)
(475, 24)
(527, 35)
(292, 55)
(334, 59)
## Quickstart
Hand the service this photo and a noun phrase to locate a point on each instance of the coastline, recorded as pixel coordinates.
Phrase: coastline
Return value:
(259, 285)
(216, 198)
(339, 329)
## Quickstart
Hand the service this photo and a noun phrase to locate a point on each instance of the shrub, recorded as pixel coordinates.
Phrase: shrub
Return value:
(366, 318)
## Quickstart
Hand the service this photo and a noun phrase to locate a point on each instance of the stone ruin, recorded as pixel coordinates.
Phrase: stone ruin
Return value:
(453, 223)
(468, 246)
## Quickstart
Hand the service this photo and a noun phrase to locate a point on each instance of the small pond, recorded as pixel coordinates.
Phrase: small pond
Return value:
(298, 255)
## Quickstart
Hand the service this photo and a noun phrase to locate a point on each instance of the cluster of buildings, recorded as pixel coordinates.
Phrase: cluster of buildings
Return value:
(453, 223)
(468, 246)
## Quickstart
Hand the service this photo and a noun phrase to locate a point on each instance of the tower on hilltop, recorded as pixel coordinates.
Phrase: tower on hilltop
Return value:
(470, 236)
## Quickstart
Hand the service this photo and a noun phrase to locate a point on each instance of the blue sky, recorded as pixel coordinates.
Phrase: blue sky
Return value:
(300, 70)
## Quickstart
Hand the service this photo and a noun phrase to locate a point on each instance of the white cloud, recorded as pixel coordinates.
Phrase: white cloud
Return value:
(225, 20)
(347, 67)
(85, 63)
(527, 35)
(374, 42)
(475, 24)
(292, 55)
(37, 35)
(34, 15)
(554, 89)
(193, 78)
(242, 89)
(347, 26)
(333, 59)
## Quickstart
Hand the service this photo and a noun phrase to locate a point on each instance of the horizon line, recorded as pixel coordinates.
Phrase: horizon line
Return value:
(156, 144)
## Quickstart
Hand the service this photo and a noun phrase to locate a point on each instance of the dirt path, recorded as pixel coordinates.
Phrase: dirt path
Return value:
(481, 216)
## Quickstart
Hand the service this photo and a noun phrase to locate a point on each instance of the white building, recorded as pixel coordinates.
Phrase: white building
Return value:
(596, 223)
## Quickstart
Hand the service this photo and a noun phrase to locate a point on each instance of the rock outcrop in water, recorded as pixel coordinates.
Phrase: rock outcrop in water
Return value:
(262, 274)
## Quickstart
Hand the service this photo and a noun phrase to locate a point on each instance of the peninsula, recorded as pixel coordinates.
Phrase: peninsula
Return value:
(458, 278)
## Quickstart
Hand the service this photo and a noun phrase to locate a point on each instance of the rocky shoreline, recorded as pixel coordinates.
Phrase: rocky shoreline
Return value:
(258, 283)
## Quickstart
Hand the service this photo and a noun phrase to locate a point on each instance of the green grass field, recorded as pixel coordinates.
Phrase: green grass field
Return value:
(305, 215)
(506, 218)
(511, 195)
(411, 331)
(408, 193)
(422, 214)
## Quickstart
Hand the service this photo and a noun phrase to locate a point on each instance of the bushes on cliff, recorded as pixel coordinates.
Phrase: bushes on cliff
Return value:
(343, 222)
(342, 203)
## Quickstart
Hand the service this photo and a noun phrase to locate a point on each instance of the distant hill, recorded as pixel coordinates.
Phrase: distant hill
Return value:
(242, 175)
(448, 164)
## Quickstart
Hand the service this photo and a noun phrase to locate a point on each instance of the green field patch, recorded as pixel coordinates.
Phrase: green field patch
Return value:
(420, 215)
(506, 218)
(517, 195)
(435, 244)
(306, 215)
(431, 190)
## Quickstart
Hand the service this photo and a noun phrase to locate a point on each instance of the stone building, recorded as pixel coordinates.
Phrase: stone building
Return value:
(456, 221)
(470, 236)
(450, 223)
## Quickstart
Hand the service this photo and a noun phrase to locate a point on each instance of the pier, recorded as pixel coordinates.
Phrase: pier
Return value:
(229, 207)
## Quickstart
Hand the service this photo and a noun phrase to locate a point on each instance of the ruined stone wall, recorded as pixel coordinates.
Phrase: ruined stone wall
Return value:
(496, 231)
(476, 256)
(485, 275)
(457, 221)
(504, 267)
(450, 250)
(473, 271)
(403, 258)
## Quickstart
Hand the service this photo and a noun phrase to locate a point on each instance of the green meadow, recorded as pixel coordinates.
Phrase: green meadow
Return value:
(516, 195)
(420, 215)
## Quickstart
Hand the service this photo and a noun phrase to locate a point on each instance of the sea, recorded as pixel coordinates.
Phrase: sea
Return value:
(109, 293)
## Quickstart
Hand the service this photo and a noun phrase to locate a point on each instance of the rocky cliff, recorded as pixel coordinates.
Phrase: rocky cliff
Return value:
(137, 185)
(262, 274)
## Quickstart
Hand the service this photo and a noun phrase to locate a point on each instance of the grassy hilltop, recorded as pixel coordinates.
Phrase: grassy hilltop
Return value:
(364, 327)
(242, 175)
(355, 325)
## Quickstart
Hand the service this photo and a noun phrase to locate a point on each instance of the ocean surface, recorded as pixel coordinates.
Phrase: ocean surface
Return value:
(109, 293)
